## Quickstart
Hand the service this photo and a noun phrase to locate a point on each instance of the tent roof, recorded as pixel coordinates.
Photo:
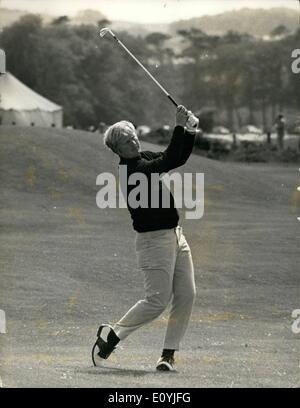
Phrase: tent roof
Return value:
(17, 96)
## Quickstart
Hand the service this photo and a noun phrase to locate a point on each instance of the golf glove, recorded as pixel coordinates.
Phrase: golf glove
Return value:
(192, 123)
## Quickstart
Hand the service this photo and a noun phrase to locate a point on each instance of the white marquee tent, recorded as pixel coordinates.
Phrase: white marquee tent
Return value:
(21, 106)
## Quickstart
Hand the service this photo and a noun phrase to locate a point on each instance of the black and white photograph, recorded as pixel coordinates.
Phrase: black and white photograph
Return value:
(150, 196)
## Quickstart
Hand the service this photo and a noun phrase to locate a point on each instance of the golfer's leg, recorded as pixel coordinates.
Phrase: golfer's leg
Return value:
(156, 259)
(184, 291)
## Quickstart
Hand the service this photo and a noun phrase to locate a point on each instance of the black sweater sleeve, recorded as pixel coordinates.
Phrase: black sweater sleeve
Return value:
(184, 148)
(189, 140)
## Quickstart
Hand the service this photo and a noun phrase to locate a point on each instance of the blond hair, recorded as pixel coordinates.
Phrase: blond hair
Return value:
(115, 132)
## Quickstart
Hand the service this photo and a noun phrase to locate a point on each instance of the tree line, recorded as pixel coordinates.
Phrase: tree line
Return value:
(95, 80)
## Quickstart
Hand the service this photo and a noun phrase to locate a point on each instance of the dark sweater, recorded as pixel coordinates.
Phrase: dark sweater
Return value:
(147, 162)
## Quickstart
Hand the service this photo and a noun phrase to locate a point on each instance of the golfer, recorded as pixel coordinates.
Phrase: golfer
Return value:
(280, 127)
(163, 255)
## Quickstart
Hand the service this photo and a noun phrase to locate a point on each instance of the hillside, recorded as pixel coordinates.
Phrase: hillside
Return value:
(8, 16)
(257, 22)
(66, 266)
(88, 17)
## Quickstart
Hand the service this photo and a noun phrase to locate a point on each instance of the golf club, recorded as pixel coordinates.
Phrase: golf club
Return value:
(106, 30)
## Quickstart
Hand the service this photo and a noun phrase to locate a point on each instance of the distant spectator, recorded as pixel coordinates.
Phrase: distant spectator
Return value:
(102, 127)
(234, 140)
(268, 131)
(280, 128)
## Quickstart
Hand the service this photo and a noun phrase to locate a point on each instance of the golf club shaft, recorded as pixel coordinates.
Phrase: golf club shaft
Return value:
(145, 69)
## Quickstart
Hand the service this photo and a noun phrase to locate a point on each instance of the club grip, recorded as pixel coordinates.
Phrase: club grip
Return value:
(172, 100)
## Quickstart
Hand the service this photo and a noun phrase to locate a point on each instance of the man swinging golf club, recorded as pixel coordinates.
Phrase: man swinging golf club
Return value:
(163, 255)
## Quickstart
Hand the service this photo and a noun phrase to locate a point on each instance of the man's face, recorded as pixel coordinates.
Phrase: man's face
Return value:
(129, 144)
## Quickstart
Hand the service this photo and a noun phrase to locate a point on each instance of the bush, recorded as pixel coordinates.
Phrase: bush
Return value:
(253, 153)
(289, 155)
(217, 150)
(202, 143)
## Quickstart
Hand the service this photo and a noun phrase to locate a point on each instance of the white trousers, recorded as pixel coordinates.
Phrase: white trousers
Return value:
(165, 259)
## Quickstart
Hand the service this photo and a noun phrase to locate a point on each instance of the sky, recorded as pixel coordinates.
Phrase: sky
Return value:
(145, 11)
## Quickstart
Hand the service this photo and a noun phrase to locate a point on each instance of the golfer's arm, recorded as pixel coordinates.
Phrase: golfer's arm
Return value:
(167, 160)
(189, 140)
(187, 148)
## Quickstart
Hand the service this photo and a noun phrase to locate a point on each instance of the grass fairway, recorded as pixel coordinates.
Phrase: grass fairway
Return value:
(66, 266)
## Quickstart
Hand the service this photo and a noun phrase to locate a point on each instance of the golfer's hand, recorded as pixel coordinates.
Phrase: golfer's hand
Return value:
(192, 123)
(181, 116)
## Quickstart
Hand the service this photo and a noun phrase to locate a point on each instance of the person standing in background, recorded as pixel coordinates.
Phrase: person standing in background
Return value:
(280, 128)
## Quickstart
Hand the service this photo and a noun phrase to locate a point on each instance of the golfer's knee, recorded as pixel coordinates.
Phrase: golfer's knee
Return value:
(191, 296)
(187, 296)
(159, 302)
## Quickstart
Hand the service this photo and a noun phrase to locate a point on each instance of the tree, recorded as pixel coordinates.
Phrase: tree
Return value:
(104, 22)
(280, 30)
(61, 20)
(96, 81)
(20, 44)
(196, 72)
(157, 39)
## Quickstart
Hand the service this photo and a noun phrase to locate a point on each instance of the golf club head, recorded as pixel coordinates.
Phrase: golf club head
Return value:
(104, 31)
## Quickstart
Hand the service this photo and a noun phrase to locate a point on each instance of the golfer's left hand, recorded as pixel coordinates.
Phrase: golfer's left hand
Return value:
(192, 122)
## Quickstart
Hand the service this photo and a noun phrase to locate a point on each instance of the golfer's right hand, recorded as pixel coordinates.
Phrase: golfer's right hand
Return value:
(181, 115)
